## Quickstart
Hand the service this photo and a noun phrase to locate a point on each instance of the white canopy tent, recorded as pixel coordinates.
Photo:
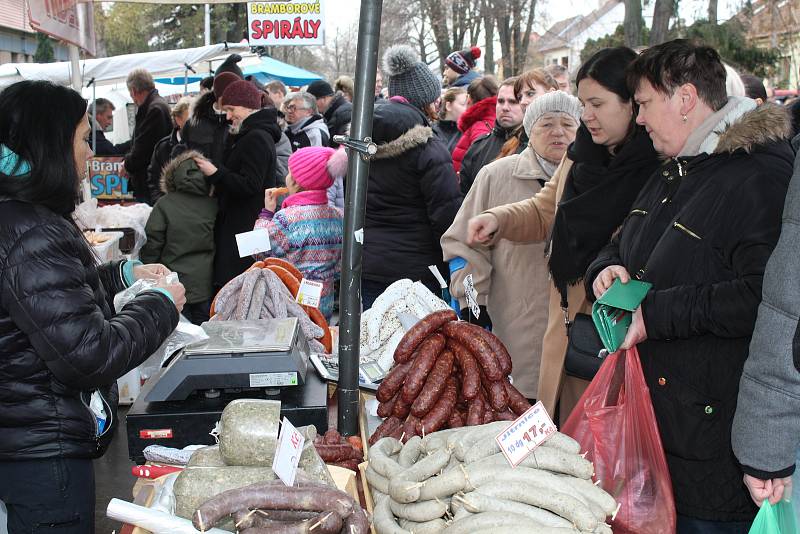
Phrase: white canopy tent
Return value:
(115, 69)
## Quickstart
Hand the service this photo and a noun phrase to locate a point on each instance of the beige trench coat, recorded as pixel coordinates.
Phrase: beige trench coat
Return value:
(511, 278)
(528, 221)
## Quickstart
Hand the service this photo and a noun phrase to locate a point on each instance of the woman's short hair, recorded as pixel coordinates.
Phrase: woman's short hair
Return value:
(608, 67)
(482, 88)
(182, 106)
(140, 80)
(669, 65)
(754, 87)
(449, 97)
(344, 84)
(44, 139)
(534, 76)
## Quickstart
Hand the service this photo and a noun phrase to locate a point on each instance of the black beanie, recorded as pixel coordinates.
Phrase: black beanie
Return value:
(230, 65)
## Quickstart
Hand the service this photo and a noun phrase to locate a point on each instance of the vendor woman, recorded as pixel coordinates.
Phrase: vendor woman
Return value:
(62, 347)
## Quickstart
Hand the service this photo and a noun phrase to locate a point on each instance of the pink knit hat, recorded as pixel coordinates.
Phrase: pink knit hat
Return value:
(315, 167)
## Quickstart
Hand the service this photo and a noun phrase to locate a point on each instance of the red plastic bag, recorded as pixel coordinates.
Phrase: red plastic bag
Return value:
(614, 421)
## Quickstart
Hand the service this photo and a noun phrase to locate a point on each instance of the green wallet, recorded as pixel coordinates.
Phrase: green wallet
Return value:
(612, 313)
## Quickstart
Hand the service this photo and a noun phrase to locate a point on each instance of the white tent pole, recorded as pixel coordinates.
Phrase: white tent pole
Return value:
(208, 25)
(75, 67)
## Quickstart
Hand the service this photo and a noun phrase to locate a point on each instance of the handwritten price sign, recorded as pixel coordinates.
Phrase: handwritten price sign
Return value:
(527, 432)
(287, 456)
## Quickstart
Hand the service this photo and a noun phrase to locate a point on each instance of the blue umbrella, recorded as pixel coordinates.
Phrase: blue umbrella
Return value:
(271, 69)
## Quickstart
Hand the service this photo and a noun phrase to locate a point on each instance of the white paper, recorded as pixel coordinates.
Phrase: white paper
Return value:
(359, 235)
(309, 293)
(152, 520)
(471, 296)
(287, 455)
(527, 432)
(253, 242)
(435, 270)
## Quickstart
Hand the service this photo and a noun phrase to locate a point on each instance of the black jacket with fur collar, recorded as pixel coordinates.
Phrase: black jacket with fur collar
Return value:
(701, 231)
(412, 197)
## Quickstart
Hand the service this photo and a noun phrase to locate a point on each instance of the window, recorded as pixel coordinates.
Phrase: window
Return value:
(565, 61)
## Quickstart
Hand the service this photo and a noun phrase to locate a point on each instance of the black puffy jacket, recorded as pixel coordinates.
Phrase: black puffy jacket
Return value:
(484, 151)
(412, 197)
(59, 337)
(701, 231)
(206, 131)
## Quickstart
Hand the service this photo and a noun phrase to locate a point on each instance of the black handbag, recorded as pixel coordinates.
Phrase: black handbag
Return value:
(585, 352)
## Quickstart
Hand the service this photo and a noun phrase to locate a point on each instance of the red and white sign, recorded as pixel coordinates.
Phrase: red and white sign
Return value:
(286, 23)
(287, 455)
(67, 20)
(161, 433)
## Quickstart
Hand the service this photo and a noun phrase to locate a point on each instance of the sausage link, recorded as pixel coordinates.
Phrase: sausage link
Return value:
(456, 420)
(516, 400)
(393, 382)
(470, 375)
(401, 409)
(477, 345)
(441, 411)
(475, 411)
(434, 384)
(497, 346)
(385, 409)
(411, 428)
(497, 395)
(389, 425)
(424, 358)
(420, 332)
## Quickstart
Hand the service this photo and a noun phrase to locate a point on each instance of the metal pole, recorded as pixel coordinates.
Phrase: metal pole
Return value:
(94, 116)
(208, 25)
(369, 28)
(75, 66)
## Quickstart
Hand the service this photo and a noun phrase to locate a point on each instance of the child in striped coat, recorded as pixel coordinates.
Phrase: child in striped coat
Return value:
(306, 231)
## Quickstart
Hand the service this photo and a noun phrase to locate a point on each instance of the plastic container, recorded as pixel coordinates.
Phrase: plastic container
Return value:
(129, 386)
(109, 250)
(128, 241)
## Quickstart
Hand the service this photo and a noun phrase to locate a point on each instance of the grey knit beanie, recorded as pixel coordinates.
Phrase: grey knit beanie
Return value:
(409, 77)
(554, 101)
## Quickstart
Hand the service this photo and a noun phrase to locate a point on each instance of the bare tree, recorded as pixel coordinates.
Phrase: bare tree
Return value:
(662, 13)
(712, 11)
(514, 24)
(454, 24)
(488, 27)
(633, 23)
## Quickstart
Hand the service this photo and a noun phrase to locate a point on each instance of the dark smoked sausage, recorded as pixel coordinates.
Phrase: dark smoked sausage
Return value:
(426, 355)
(477, 345)
(420, 332)
(434, 384)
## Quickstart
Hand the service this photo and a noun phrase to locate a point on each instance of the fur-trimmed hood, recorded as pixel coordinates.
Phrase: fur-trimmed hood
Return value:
(182, 174)
(739, 125)
(416, 136)
(768, 123)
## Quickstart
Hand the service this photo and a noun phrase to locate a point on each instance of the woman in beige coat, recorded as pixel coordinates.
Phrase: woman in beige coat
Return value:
(511, 278)
(579, 209)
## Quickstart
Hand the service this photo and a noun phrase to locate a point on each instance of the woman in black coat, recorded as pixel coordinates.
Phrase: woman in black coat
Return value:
(248, 169)
(412, 192)
(701, 231)
(62, 345)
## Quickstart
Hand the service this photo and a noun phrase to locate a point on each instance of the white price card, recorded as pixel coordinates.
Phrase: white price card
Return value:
(310, 293)
(527, 432)
(253, 242)
(472, 296)
(287, 455)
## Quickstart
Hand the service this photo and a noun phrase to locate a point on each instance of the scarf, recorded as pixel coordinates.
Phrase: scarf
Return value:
(598, 193)
(316, 197)
(12, 164)
(547, 167)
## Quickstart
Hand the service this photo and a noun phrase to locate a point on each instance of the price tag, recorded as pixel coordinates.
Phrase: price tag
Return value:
(287, 455)
(527, 432)
(253, 242)
(310, 293)
(439, 278)
(472, 296)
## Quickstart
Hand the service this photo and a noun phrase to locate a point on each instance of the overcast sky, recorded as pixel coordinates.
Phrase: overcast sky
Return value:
(346, 12)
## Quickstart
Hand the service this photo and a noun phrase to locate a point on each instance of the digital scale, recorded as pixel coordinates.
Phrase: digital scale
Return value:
(266, 359)
(369, 374)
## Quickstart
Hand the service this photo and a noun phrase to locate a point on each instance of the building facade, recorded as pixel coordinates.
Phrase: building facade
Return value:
(17, 38)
